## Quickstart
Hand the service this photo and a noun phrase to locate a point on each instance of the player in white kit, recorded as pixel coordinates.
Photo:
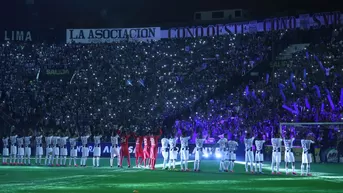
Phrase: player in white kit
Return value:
(39, 149)
(114, 149)
(20, 155)
(232, 147)
(165, 151)
(97, 151)
(27, 153)
(289, 156)
(73, 150)
(13, 152)
(63, 151)
(85, 150)
(184, 153)
(306, 156)
(5, 150)
(259, 158)
(48, 150)
(55, 150)
(276, 154)
(21, 150)
(223, 152)
(198, 151)
(249, 154)
(172, 152)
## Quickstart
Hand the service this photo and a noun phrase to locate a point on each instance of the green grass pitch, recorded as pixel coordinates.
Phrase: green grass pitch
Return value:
(326, 179)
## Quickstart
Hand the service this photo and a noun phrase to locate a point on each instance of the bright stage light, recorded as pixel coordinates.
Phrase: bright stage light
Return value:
(206, 155)
(218, 155)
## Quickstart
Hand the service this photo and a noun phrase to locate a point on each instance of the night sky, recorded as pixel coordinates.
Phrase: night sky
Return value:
(129, 13)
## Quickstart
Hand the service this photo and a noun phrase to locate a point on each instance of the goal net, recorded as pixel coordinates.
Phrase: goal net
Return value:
(328, 138)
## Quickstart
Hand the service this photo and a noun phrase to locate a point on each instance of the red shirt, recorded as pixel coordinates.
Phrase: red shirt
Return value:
(124, 139)
(139, 140)
(154, 139)
(146, 140)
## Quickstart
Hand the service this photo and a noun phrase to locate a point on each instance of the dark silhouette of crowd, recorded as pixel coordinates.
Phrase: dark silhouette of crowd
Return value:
(173, 83)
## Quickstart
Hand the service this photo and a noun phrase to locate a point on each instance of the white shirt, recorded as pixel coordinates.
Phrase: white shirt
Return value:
(5, 141)
(199, 143)
(276, 143)
(184, 141)
(232, 145)
(172, 142)
(27, 140)
(48, 140)
(38, 140)
(55, 140)
(248, 142)
(13, 139)
(20, 141)
(288, 143)
(114, 140)
(72, 142)
(63, 141)
(164, 142)
(84, 139)
(222, 143)
(97, 139)
(306, 144)
(259, 144)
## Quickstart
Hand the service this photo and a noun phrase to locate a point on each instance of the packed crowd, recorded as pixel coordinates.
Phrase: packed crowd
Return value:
(305, 88)
(89, 87)
(125, 83)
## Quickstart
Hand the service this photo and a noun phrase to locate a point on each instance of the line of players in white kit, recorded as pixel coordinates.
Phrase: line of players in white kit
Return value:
(56, 150)
(276, 143)
(18, 151)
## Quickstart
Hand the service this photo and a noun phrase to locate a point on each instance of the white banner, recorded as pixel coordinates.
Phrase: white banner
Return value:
(315, 21)
(112, 35)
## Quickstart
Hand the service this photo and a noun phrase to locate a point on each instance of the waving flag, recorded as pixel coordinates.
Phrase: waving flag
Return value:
(283, 95)
(141, 82)
(307, 103)
(317, 90)
(330, 99)
(320, 63)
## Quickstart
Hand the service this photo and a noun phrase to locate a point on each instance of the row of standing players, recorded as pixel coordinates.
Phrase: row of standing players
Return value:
(18, 151)
(56, 150)
(276, 143)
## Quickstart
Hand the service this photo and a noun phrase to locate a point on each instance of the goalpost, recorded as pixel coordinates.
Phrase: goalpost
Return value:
(327, 135)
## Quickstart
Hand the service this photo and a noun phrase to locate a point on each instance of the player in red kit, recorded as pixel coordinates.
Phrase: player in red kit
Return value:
(146, 150)
(139, 149)
(124, 147)
(154, 147)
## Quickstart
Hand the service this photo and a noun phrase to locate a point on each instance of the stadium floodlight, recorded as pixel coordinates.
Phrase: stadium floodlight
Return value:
(218, 155)
(205, 155)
